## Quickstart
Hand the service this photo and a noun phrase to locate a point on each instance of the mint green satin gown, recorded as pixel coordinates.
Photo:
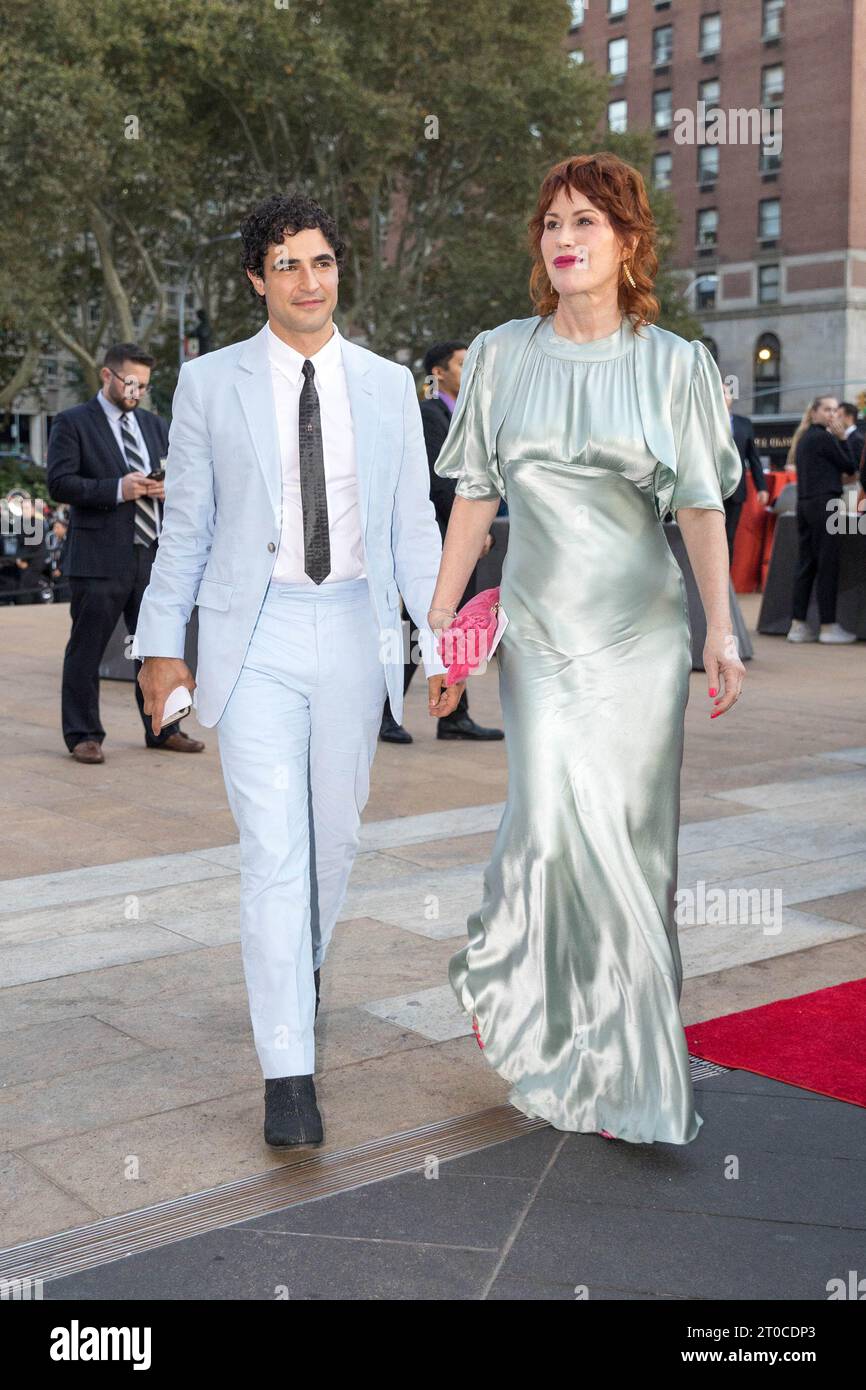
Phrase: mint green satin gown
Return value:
(572, 966)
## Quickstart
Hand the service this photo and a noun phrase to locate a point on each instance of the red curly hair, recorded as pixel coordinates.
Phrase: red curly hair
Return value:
(618, 190)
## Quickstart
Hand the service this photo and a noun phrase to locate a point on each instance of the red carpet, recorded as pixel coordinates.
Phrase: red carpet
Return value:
(816, 1041)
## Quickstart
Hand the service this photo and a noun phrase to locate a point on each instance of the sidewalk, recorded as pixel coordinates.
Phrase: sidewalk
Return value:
(130, 1078)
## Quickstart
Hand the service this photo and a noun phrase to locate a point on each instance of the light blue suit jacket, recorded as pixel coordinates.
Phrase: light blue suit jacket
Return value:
(223, 513)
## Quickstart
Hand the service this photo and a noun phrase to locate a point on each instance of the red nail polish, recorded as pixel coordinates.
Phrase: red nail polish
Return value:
(716, 715)
(713, 691)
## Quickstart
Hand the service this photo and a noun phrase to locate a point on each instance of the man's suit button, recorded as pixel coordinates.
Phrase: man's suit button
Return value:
(271, 546)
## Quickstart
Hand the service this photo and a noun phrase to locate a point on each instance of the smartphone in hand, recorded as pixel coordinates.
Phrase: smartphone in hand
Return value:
(177, 706)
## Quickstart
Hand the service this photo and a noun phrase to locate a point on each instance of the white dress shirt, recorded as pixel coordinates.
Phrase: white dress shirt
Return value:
(341, 473)
(113, 413)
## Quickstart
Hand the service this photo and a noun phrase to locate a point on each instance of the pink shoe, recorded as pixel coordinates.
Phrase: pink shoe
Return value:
(606, 1134)
(476, 1032)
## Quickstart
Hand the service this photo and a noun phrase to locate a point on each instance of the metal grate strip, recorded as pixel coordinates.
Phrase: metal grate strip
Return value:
(301, 1180)
(131, 1233)
(700, 1068)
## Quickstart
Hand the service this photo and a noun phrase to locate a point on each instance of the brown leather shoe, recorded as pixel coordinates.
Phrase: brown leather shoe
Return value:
(88, 751)
(182, 743)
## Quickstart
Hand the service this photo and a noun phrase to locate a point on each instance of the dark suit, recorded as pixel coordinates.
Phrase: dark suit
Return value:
(436, 420)
(821, 460)
(857, 445)
(106, 570)
(744, 438)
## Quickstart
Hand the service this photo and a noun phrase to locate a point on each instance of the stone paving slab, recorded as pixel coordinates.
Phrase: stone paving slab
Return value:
(750, 1210)
(125, 1016)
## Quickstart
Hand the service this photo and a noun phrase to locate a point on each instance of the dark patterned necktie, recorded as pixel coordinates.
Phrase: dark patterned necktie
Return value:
(146, 508)
(314, 497)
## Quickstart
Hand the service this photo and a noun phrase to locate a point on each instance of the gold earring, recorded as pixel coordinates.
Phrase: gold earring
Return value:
(628, 275)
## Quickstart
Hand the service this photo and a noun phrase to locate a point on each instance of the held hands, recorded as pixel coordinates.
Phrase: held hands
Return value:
(443, 698)
(722, 662)
(158, 677)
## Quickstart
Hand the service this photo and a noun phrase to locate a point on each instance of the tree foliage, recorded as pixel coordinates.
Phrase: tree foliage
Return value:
(134, 139)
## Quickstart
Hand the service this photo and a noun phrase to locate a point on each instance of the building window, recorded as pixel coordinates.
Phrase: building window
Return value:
(663, 45)
(52, 371)
(578, 12)
(708, 163)
(662, 168)
(768, 161)
(769, 219)
(576, 56)
(710, 40)
(710, 91)
(768, 284)
(708, 227)
(662, 110)
(705, 292)
(767, 373)
(771, 27)
(772, 85)
(617, 116)
(615, 7)
(617, 57)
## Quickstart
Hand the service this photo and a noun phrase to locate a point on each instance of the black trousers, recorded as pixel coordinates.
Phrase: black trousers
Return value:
(818, 559)
(95, 606)
(732, 519)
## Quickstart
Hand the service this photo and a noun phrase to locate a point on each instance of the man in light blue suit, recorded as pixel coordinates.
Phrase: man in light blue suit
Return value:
(297, 511)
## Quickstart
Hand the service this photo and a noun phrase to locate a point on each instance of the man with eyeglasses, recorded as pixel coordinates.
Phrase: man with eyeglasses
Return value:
(106, 459)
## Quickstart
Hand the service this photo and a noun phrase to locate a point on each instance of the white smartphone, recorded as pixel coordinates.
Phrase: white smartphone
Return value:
(177, 706)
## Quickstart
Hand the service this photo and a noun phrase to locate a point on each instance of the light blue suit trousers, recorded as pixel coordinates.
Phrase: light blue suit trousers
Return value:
(297, 740)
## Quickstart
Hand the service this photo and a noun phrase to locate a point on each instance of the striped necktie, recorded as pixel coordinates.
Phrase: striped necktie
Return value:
(146, 508)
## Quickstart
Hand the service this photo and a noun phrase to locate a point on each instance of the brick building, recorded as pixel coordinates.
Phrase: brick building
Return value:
(772, 237)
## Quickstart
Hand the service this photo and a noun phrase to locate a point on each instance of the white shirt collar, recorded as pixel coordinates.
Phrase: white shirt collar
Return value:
(291, 363)
(113, 411)
(850, 430)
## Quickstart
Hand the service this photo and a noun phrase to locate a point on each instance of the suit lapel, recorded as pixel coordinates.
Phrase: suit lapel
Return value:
(106, 434)
(149, 434)
(257, 402)
(365, 405)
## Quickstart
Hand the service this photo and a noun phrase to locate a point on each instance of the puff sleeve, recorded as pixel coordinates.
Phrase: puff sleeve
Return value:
(469, 454)
(709, 467)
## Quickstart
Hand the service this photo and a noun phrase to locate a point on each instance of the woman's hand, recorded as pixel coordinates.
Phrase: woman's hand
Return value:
(723, 665)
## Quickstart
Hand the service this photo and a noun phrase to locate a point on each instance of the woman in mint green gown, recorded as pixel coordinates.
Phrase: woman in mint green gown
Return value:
(572, 969)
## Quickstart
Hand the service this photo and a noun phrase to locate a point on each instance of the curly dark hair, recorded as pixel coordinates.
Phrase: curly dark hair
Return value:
(269, 222)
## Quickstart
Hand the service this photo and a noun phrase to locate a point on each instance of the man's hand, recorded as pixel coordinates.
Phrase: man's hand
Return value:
(156, 489)
(443, 698)
(762, 498)
(158, 677)
(134, 485)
